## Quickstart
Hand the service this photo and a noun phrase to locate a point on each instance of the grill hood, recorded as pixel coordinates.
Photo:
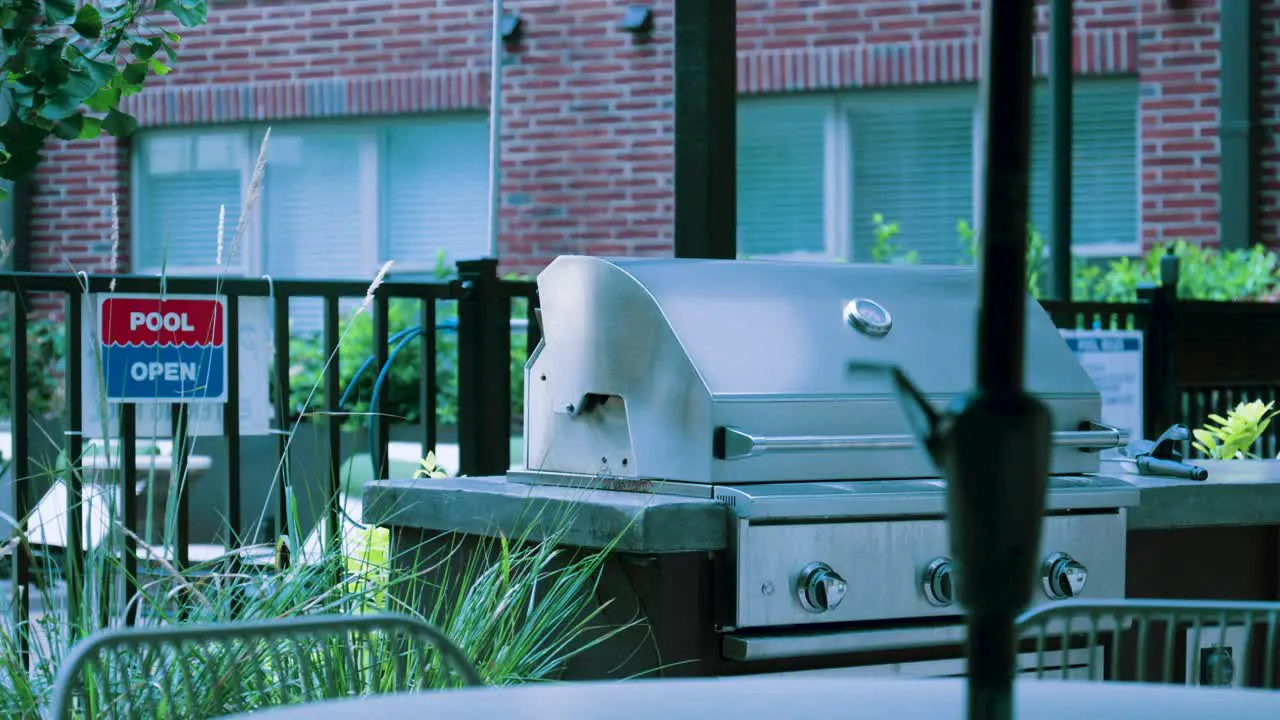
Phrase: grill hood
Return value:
(726, 372)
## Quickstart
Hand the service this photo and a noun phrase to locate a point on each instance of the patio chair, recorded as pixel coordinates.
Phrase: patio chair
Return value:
(216, 669)
(1210, 643)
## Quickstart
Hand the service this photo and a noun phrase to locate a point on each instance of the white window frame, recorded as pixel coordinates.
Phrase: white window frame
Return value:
(251, 256)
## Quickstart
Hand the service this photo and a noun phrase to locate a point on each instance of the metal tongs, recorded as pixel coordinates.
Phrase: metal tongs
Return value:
(1161, 456)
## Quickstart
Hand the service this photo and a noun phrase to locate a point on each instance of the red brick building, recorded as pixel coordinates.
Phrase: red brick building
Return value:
(379, 147)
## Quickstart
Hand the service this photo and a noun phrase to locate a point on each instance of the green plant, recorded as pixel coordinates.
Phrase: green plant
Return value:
(46, 361)
(1233, 437)
(68, 65)
(1205, 272)
(885, 249)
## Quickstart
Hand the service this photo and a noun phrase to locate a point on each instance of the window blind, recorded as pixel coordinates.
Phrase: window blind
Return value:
(1104, 157)
(184, 179)
(781, 161)
(436, 190)
(913, 163)
(313, 217)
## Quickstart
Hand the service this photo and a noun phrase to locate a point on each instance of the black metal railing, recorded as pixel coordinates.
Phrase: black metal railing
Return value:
(1200, 358)
(484, 310)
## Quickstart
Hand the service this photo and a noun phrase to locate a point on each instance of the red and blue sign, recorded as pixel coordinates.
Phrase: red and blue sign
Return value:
(163, 350)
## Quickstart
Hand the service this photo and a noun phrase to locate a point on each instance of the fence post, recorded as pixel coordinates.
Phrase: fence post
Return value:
(1161, 396)
(484, 377)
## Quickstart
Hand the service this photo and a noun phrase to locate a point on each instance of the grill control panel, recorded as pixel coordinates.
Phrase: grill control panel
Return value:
(889, 570)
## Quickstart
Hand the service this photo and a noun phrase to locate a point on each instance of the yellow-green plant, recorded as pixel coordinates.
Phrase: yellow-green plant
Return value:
(429, 468)
(1233, 437)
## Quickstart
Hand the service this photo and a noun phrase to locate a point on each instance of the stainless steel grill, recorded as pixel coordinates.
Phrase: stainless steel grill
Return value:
(732, 380)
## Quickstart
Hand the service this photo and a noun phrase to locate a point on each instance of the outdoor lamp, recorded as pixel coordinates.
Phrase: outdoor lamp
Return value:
(512, 28)
(638, 20)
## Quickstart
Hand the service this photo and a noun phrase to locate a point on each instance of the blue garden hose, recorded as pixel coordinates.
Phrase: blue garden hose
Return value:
(401, 339)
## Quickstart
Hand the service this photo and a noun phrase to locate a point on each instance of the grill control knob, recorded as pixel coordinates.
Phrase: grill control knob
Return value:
(939, 582)
(820, 588)
(1063, 576)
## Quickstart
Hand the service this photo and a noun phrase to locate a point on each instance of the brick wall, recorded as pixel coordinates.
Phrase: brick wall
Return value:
(587, 157)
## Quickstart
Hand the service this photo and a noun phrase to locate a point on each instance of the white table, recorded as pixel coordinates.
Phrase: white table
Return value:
(780, 697)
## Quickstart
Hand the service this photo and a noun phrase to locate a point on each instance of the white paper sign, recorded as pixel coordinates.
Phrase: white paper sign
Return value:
(206, 419)
(1113, 360)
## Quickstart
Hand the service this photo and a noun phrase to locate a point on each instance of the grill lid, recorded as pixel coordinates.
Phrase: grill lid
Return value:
(712, 371)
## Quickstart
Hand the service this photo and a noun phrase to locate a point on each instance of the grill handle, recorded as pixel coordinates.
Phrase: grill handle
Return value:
(733, 444)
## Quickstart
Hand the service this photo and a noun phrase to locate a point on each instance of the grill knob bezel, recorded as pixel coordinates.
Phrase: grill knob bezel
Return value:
(819, 588)
(938, 582)
(1056, 573)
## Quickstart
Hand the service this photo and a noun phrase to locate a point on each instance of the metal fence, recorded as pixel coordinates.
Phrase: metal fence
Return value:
(483, 303)
(1200, 358)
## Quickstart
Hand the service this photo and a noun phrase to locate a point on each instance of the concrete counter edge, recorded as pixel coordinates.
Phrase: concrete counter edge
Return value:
(662, 524)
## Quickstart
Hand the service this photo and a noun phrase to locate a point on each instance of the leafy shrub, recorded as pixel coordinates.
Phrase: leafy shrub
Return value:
(1205, 272)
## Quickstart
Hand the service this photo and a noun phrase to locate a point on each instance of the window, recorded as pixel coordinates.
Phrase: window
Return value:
(814, 169)
(338, 198)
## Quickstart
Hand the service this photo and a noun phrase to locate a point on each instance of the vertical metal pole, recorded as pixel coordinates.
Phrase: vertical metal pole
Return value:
(280, 339)
(377, 410)
(495, 130)
(333, 419)
(706, 96)
(179, 416)
(484, 356)
(1060, 125)
(20, 471)
(129, 496)
(1239, 131)
(75, 448)
(997, 459)
(231, 424)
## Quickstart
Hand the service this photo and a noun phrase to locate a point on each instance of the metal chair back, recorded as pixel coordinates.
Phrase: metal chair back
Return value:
(216, 669)
(1211, 643)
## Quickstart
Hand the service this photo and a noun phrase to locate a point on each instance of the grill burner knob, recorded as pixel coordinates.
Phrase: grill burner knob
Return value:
(939, 583)
(820, 588)
(1063, 576)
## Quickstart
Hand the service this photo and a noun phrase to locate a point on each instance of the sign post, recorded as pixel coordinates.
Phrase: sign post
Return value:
(163, 349)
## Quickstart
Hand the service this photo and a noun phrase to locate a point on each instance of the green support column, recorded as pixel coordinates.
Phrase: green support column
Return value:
(706, 96)
(1060, 77)
(1238, 189)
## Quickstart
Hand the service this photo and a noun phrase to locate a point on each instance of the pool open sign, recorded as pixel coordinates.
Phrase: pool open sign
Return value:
(163, 350)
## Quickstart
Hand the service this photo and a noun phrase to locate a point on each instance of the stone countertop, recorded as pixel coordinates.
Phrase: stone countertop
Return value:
(640, 523)
(1237, 493)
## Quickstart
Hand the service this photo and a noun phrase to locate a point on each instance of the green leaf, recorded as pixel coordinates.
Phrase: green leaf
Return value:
(135, 73)
(106, 98)
(159, 68)
(119, 124)
(88, 22)
(190, 13)
(69, 128)
(145, 49)
(92, 127)
(101, 72)
(59, 10)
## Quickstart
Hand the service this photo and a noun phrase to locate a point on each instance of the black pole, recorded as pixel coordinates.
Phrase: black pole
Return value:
(484, 357)
(1060, 118)
(706, 95)
(995, 452)
(1239, 128)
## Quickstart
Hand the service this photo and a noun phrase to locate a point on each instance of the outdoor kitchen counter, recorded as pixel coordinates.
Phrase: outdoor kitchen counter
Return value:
(483, 506)
(1236, 494)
